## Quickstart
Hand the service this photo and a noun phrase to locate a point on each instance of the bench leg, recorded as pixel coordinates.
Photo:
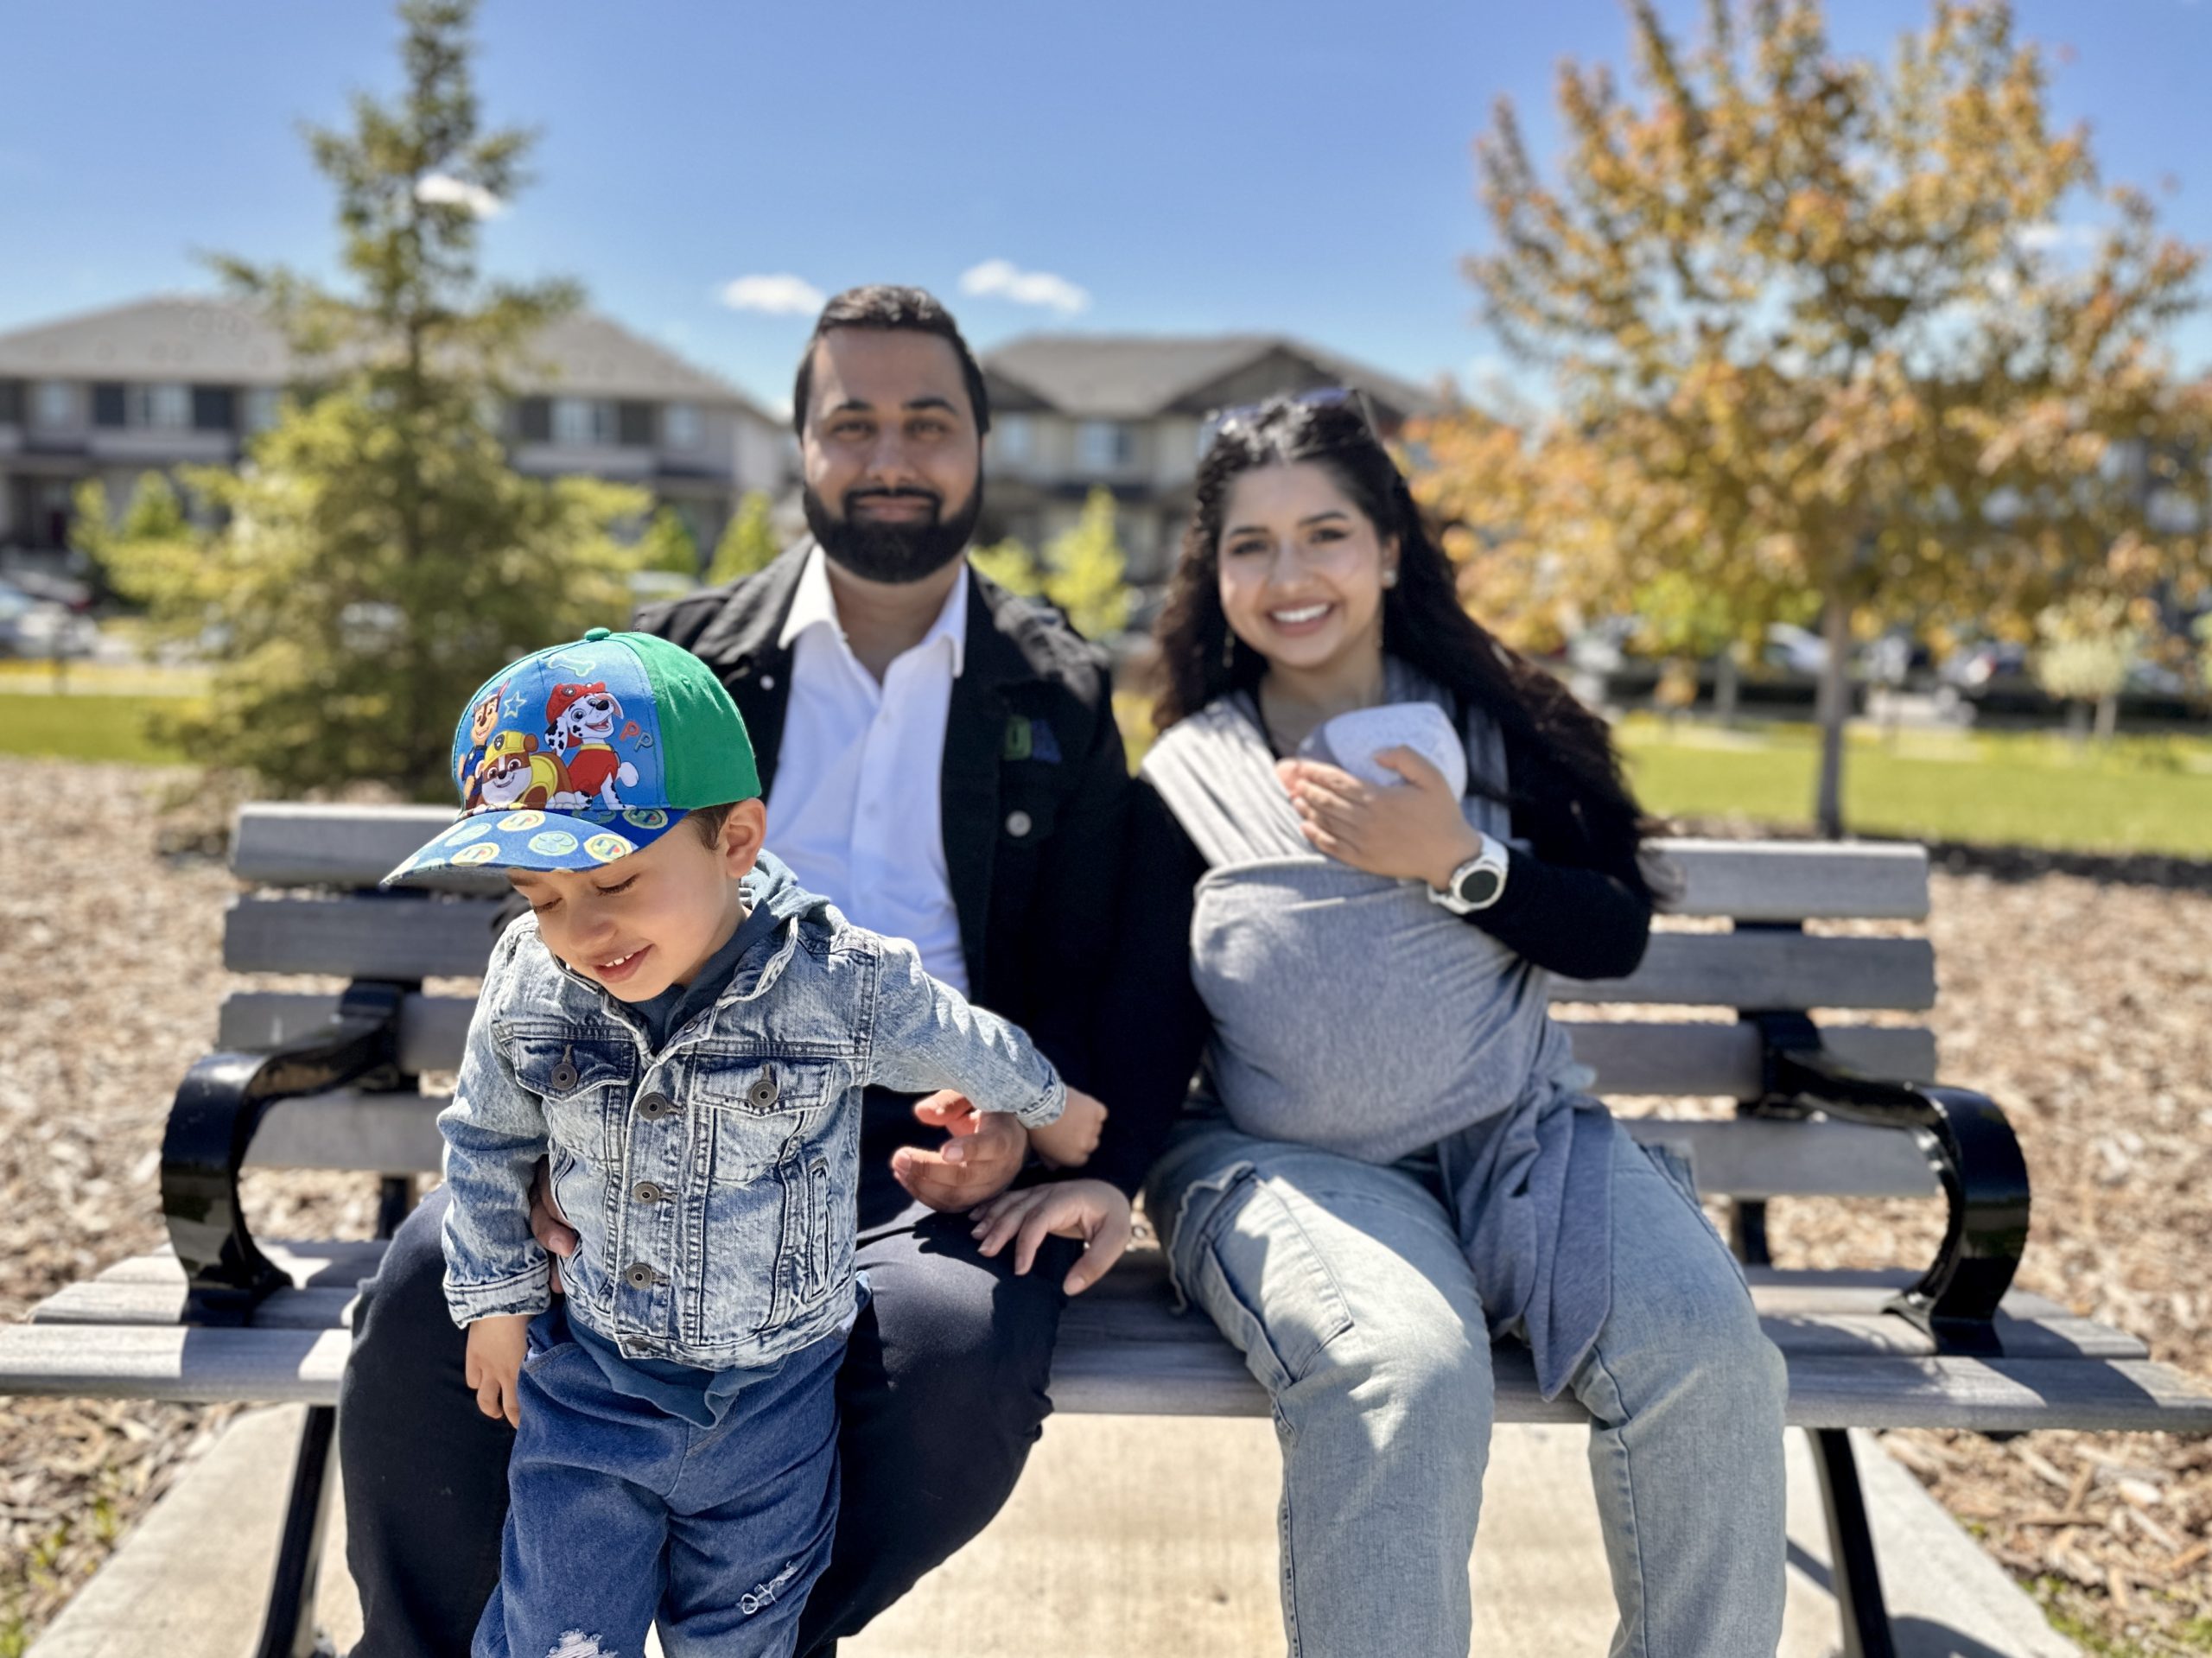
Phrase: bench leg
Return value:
(1856, 1578)
(288, 1627)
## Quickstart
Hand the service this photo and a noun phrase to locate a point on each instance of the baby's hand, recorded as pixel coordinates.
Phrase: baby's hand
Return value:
(495, 1351)
(1069, 1142)
(1090, 1209)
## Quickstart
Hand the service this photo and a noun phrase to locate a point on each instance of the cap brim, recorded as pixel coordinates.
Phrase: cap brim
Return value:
(532, 839)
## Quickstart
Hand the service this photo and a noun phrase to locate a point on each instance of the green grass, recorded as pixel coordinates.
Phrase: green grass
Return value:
(87, 729)
(2133, 795)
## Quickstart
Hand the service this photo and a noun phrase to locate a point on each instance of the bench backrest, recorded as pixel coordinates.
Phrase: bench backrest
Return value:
(1735, 939)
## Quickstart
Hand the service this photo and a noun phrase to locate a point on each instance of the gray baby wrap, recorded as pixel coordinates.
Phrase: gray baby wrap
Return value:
(1352, 1014)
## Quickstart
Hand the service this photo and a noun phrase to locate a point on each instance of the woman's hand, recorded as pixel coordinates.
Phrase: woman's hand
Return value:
(494, 1363)
(1090, 1209)
(1413, 832)
(979, 1159)
(1069, 1142)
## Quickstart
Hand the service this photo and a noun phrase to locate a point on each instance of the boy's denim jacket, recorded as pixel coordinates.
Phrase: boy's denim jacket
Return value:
(711, 1184)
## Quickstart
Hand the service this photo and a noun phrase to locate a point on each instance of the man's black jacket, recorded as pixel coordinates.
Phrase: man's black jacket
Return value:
(1035, 800)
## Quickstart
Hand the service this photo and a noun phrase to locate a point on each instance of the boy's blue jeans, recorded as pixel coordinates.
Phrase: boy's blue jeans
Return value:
(620, 1514)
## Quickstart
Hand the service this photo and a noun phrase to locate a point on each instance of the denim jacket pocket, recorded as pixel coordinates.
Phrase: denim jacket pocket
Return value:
(770, 1192)
(579, 1076)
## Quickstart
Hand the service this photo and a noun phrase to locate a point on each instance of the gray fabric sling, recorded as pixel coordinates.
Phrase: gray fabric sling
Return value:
(1351, 1014)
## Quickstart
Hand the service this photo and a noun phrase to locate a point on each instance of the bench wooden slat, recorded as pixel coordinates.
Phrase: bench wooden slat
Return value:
(402, 936)
(1631, 1057)
(1783, 881)
(1178, 1378)
(433, 1030)
(286, 844)
(1772, 970)
(397, 1133)
(1803, 1315)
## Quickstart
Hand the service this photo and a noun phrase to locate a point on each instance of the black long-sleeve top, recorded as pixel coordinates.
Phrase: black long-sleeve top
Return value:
(1569, 905)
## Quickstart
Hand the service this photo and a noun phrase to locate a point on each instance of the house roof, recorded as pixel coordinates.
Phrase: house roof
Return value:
(224, 341)
(1133, 377)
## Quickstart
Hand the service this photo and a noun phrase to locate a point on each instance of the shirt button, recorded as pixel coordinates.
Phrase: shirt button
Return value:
(654, 1107)
(638, 1276)
(1017, 824)
(646, 1192)
(767, 682)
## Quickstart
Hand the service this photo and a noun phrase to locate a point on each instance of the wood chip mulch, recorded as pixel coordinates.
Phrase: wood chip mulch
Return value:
(2079, 996)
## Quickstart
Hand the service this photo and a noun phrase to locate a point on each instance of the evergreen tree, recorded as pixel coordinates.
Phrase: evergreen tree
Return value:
(378, 558)
(667, 545)
(749, 543)
(1083, 571)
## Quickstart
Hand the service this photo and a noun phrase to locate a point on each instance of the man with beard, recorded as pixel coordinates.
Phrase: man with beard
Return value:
(939, 757)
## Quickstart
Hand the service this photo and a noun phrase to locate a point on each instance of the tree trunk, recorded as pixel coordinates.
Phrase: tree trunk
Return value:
(1724, 684)
(2108, 716)
(2077, 720)
(1833, 711)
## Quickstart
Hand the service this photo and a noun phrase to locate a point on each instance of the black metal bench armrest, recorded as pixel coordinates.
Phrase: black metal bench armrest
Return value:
(1975, 1153)
(217, 1107)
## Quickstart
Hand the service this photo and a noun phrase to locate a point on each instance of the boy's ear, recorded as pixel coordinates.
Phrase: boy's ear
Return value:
(743, 832)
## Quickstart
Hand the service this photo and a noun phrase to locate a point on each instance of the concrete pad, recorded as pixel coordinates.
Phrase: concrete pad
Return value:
(1129, 1535)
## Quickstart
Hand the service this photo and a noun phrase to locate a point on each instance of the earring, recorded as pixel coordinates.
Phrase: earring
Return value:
(1228, 647)
(1391, 578)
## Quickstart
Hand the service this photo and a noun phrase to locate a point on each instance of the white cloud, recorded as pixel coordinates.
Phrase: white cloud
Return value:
(444, 190)
(785, 296)
(2047, 237)
(1001, 279)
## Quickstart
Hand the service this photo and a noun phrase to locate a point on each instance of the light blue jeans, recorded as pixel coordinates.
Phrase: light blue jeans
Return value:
(1345, 1287)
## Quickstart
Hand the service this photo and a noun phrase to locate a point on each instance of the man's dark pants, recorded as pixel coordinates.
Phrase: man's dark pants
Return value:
(940, 1394)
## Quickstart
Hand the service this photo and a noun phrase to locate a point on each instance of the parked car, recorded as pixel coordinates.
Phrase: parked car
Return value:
(31, 626)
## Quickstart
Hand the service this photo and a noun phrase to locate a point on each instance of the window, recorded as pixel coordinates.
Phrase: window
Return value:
(1104, 445)
(1013, 437)
(581, 423)
(54, 402)
(534, 420)
(679, 426)
(108, 401)
(634, 425)
(214, 408)
(11, 403)
(166, 408)
(260, 405)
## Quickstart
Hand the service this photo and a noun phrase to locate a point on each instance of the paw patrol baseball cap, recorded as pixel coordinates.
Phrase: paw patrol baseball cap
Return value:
(582, 753)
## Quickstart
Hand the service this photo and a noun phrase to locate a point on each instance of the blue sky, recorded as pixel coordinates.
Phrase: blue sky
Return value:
(1187, 165)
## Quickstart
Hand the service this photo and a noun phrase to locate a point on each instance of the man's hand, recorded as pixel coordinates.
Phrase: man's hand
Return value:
(1412, 831)
(1090, 1209)
(1069, 1143)
(978, 1162)
(548, 1225)
(495, 1350)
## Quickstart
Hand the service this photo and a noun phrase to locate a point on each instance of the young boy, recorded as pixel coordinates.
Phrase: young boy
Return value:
(683, 1032)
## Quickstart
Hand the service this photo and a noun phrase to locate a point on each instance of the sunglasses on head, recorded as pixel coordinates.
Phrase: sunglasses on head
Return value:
(1324, 397)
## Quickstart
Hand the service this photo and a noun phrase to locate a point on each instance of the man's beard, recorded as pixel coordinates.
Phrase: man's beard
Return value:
(892, 553)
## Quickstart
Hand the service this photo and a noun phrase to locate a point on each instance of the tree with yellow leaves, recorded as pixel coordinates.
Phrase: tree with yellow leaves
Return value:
(1822, 340)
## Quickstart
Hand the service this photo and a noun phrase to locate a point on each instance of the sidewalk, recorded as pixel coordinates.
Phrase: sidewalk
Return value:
(1129, 1535)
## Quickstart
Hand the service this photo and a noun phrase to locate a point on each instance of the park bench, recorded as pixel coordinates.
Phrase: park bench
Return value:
(1722, 1007)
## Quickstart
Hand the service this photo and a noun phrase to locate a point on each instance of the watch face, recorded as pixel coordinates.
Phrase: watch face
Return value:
(1480, 886)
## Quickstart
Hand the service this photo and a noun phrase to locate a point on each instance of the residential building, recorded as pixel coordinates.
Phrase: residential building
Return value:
(176, 381)
(1073, 412)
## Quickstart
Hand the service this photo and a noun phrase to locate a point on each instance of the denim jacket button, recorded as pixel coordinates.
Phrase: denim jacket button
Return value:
(638, 1276)
(654, 1107)
(646, 1192)
(763, 1093)
(1019, 824)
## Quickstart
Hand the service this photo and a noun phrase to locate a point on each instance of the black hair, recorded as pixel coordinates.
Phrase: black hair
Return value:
(709, 821)
(887, 306)
(1424, 623)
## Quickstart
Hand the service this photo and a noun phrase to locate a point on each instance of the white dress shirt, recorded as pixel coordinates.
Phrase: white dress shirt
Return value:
(857, 806)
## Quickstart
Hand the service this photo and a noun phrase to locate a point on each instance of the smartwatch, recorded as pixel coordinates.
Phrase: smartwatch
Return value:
(1477, 884)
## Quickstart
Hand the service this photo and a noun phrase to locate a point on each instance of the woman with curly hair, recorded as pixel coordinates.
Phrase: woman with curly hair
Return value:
(1393, 831)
